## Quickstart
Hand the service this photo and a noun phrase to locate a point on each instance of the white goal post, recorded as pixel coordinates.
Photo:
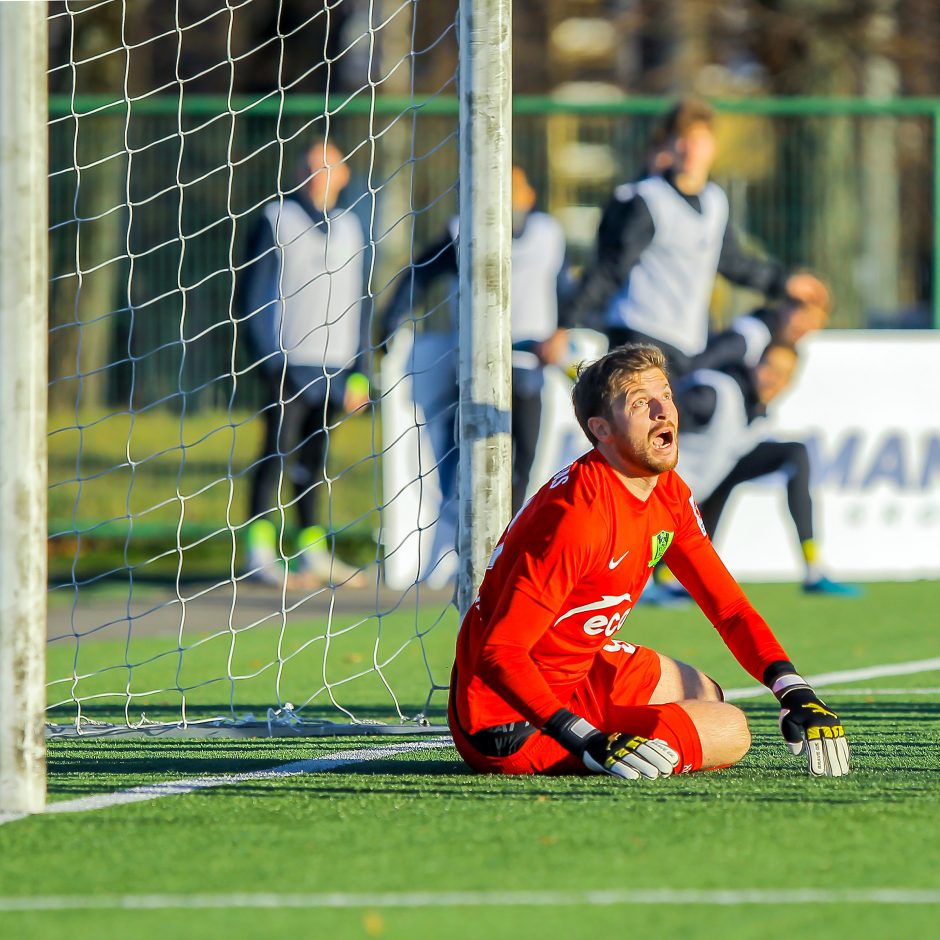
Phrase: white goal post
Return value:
(23, 324)
(485, 250)
(88, 288)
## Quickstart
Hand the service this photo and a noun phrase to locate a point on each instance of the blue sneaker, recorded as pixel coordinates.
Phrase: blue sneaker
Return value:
(835, 588)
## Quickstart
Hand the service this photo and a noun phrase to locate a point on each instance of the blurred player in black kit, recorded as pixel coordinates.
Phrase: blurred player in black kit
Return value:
(540, 285)
(661, 242)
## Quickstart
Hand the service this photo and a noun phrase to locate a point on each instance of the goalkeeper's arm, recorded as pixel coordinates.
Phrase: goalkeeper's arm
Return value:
(619, 755)
(807, 724)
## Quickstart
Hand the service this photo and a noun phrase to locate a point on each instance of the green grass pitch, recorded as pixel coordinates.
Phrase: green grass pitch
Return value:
(418, 826)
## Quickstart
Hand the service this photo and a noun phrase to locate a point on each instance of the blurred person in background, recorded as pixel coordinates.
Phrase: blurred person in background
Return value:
(540, 285)
(661, 242)
(745, 340)
(300, 297)
(723, 442)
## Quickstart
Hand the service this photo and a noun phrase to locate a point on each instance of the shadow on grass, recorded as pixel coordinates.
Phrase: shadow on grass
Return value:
(889, 710)
(99, 766)
(767, 777)
(894, 754)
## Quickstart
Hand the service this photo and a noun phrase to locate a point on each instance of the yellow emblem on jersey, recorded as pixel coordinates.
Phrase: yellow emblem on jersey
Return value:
(661, 542)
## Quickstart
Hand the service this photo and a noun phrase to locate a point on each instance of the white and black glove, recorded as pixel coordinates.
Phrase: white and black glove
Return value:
(620, 755)
(810, 727)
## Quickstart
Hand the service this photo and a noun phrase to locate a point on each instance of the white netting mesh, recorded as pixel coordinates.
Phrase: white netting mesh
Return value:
(223, 529)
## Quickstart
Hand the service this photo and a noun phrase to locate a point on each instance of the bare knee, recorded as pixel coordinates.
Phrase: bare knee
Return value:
(737, 733)
(722, 730)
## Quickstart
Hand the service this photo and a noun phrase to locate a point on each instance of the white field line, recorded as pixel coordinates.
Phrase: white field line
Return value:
(153, 791)
(827, 679)
(437, 899)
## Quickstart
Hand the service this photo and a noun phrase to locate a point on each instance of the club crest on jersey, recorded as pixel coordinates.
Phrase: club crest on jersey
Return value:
(661, 541)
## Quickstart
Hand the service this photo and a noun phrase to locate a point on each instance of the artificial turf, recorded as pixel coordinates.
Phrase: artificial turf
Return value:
(421, 822)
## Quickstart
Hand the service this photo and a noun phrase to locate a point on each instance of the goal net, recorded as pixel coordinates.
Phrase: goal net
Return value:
(252, 459)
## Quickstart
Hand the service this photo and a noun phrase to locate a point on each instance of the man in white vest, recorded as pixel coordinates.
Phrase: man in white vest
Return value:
(724, 442)
(300, 301)
(661, 242)
(540, 278)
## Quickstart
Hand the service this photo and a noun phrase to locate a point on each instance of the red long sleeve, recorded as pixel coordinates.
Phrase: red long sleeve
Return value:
(694, 561)
(506, 663)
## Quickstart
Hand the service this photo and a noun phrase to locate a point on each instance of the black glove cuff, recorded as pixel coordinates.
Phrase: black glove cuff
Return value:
(571, 731)
(776, 670)
(785, 681)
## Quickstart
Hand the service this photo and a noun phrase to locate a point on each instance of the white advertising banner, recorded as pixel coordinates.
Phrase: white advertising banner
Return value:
(867, 405)
(419, 408)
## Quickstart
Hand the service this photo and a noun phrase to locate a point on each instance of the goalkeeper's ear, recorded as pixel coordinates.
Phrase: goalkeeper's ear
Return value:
(600, 428)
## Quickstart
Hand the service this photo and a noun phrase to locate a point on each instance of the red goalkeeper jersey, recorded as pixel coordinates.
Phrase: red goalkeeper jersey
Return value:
(563, 580)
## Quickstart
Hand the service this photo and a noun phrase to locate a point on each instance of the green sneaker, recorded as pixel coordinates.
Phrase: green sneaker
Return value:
(315, 562)
(264, 565)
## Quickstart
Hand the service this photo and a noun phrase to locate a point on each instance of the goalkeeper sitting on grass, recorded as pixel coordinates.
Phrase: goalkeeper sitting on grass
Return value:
(542, 682)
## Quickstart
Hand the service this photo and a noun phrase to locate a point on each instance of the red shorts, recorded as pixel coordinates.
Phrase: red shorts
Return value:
(614, 697)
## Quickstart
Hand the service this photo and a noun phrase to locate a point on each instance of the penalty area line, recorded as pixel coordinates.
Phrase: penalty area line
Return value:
(438, 899)
(845, 676)
(155, 791)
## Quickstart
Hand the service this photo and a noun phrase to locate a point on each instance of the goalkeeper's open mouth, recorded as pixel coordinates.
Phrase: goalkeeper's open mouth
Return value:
(664, 439)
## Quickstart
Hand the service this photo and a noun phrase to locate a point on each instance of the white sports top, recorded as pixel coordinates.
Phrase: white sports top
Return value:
(321, 285)
(669, 289)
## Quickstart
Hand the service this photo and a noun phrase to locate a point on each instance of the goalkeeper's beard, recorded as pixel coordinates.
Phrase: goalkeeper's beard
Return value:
(658, 463)
(645, 456)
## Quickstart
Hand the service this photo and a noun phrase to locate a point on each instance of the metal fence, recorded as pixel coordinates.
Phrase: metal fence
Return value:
(152, 203)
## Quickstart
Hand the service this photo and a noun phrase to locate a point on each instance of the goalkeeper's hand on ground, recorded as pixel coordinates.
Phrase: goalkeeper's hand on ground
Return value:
(810, 727)
(620, 755)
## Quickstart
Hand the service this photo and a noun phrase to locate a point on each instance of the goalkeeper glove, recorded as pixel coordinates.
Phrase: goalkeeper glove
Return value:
(620, 755)
(809, 726)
